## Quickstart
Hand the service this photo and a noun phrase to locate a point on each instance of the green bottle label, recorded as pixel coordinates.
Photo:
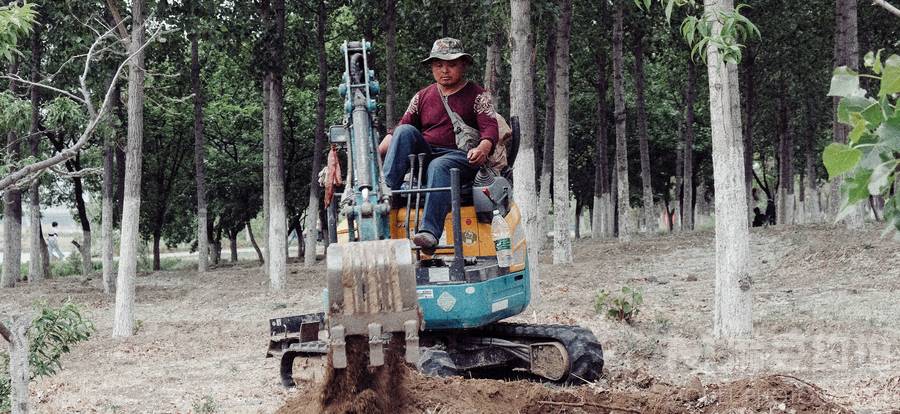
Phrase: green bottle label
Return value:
(502, 244)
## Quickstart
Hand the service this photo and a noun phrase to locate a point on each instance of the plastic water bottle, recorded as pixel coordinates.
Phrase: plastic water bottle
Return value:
(502, 243)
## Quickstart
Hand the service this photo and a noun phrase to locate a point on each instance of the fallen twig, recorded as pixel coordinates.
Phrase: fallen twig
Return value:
(588, 404)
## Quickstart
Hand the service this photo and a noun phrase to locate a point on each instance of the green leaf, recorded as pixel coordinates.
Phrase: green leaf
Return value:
(852, 104)
(859, 128)
(844, 82)
(890, 80)
(839, 158)
(889, 132)
(873, 114)
(857, 186)
(881, 176)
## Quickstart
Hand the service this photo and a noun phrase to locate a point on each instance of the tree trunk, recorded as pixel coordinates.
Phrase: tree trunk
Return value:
(277, 234)
(35, 270)
(492, 65)
(846, 53)
(312, 211)
(562, 244)
(547, 148)
(733, 300)
(85, 248)
(199, 158)
(785, 200)
(12, 209)
(649, 216)
(259, 252)
(749, 113)
(106, 215)
(624, 216)
(811, 196)
(390, 60)
(131, 200)
(18, 362)
(233, 245)
(600, 221)
(521, 95)
(687, 217)
(678, 191)
(267, 171)
(157, 263)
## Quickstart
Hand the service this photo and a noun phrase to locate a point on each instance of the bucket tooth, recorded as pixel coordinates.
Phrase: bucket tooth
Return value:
(411, 328)
(338, 347)
(376, 345)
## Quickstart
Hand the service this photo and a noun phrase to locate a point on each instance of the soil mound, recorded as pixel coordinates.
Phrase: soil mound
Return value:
(622, 392)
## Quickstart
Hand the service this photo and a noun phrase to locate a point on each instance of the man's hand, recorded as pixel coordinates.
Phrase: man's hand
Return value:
(479, 154)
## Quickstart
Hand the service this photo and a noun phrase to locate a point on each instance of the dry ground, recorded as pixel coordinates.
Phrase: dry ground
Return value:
(826, 310)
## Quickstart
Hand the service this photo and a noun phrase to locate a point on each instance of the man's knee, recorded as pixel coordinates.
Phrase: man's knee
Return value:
(405, 132)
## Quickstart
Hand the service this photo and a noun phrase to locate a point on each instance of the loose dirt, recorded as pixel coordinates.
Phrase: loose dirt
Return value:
(826, 335)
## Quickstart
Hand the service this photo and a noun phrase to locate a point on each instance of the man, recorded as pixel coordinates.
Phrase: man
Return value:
(426, 128)
(53, 242)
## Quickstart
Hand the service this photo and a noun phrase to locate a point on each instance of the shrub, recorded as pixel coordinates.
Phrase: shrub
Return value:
(622, 308)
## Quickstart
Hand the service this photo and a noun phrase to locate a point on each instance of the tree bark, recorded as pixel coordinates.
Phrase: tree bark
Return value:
(492, 65)
(157, 263)
(547, 148)
(562, 244)
(687, 218)
(12, 209)
(733, 300)
(312, 212)
(846, 53)
(131, 200)
(259, 252)
(18, 363)
(277, 219)
(785, 201)
(36, 272)
(85, 248)
(199, 159)
(749, 114)
(624, 213)
(390, 60)
(811, 196)
(106, 215)
(267, 171)
(649, 216)
(522, 106)
(233, 245)
(600, 221)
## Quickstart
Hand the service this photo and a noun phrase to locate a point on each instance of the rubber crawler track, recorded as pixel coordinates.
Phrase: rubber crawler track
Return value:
(585, 352)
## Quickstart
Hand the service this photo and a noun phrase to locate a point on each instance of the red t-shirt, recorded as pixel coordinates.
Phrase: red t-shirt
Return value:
(426, 112)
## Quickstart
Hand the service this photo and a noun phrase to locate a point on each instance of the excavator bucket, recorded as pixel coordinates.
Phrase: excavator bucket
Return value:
(372, 293)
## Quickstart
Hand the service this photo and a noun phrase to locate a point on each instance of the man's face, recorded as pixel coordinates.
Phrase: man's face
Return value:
(448, 73)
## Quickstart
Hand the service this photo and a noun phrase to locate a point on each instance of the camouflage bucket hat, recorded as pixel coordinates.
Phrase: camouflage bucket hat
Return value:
(447, 48)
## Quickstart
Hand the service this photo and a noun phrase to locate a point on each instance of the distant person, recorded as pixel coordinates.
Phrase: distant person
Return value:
(758, 218)
(53, 242)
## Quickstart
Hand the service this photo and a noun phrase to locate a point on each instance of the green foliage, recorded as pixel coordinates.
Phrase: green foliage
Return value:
(15, 22)
(53, 333)
(206, 405)
(869, 161)
(623, 308)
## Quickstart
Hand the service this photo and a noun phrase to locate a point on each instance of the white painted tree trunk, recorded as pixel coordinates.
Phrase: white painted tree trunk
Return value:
(87, 266)
(199, 159)
(107, 214)
(733, 300)
(18, 363)
(123, 325)
(626, 226)
(562, 243)
(277, 234)
(522, 106)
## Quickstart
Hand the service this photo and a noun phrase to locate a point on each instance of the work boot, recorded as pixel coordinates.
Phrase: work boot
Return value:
(426, 241)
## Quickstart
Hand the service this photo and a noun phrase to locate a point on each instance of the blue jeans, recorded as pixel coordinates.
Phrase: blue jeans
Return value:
(408, 140)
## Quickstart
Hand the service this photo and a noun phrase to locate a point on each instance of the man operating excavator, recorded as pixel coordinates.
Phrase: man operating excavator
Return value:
(453, 122)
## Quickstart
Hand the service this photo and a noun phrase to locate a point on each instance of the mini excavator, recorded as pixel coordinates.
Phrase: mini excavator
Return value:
(444, 307)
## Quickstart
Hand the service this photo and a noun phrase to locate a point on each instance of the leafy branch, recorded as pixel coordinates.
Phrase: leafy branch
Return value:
(870, 161)
(15, 22)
